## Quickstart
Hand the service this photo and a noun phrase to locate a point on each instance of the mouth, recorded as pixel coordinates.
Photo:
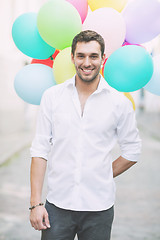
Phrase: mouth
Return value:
(87, 71)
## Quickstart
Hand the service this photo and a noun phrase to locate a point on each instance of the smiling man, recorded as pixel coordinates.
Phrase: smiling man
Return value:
(78, 125)
(88, 62)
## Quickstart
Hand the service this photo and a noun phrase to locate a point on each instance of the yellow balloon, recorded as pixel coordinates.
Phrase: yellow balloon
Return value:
(116, 4)
(129, 96)
(63, 68)
(101, 72)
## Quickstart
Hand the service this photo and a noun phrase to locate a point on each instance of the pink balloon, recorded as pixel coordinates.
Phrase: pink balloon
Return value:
(127, 43)
(110, 24)
(81, 6)
(142, 19)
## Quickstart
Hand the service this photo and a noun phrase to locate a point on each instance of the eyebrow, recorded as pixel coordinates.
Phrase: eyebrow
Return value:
(92, 54)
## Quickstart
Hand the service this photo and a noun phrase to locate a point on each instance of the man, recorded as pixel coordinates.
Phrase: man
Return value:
(79, 123)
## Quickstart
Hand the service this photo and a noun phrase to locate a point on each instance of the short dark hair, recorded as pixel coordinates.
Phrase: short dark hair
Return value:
(87, 36)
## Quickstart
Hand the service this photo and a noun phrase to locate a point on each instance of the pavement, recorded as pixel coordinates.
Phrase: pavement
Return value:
(16, 133)
(14, 139)
(149, 123)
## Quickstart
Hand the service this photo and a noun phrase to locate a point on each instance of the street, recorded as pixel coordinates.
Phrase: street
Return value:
(137, 206)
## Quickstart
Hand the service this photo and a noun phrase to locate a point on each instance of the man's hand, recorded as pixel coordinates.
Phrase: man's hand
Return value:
(120, 165)
(39, 218)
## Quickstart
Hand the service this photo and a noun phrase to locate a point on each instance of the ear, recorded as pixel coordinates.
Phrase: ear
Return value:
(103, 58)
(72, 58)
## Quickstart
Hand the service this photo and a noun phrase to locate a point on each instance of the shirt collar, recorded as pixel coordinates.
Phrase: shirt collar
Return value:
(102, 86)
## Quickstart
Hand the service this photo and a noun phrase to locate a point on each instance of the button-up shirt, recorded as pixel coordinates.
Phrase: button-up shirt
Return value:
(79, 146)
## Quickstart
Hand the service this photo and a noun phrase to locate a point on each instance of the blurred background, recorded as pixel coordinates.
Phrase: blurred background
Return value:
(17, 126)
(16, 116)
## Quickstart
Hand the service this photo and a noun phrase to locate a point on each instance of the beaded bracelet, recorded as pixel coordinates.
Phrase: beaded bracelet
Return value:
(40, 204)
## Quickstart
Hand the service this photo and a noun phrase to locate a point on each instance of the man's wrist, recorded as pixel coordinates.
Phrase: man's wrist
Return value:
(37, 205)
(35, 200)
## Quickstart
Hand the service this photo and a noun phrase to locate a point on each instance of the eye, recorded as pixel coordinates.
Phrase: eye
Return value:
(80, 56)
(94, 57)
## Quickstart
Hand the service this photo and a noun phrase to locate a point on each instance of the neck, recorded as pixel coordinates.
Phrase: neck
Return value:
(86, 87)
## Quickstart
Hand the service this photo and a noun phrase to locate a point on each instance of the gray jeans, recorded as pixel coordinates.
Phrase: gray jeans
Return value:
(65, 224)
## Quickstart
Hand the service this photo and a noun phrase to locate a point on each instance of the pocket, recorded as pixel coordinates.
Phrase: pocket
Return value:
(62, 123)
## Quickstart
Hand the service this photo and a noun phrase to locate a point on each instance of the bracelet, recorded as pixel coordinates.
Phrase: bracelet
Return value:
(40, 204)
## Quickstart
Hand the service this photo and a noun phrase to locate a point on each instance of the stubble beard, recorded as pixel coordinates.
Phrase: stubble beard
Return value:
(88, 80)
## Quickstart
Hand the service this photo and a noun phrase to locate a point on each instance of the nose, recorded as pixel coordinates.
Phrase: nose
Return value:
(87, 62)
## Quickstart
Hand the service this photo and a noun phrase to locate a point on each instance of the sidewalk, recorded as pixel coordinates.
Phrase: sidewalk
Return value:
(11, 142)
(149, 123)
(16, 133)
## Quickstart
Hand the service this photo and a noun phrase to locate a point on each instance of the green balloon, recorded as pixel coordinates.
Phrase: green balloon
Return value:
(58, 22)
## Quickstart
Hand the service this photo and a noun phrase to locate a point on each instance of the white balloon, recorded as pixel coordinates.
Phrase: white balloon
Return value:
(110, 24)
(153, 85)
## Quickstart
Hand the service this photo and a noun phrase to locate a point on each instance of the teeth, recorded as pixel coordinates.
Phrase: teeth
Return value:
(87, 70)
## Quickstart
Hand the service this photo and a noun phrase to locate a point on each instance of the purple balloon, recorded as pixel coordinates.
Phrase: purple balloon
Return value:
(142, 19)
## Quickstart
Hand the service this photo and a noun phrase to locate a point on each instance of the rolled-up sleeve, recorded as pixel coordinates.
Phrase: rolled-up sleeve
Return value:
(41, 143)
(128, 134)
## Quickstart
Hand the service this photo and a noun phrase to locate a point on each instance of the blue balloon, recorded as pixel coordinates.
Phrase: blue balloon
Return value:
(129, 68)
(27, 38)
(31, 82)
(153, 85)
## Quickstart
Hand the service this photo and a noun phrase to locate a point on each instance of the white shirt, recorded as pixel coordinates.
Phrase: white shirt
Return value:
(80, 173)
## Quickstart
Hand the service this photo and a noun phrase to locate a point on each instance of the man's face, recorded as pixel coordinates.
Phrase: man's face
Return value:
(88, 60)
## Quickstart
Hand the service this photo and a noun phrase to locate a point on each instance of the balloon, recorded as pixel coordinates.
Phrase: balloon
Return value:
(127, 43)
(63, 67)
(58, 22)
(55, 54)
(81, 6)
(142, 19)
(31, 81)
(116, 4)
(101, 72)
(110, 24)
(27, 38)
(153, 85)
(104, 66)
(129, 96)
(48, 62)
(129, 68)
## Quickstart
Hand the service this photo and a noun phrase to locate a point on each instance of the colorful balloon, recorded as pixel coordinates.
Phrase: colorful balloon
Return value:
(27, 38)
(129, 68)
(63, 68)
(81, 6)
(58, 22)
(153, 85)
(110, 24)
(116, 4)
(103, 66)
(142, 19)
(55, 54)
(129, 96)
(127, 43)
(48, 62)
(32, 80)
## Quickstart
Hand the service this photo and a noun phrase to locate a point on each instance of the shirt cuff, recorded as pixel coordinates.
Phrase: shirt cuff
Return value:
(40, 155)
(132, 158)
